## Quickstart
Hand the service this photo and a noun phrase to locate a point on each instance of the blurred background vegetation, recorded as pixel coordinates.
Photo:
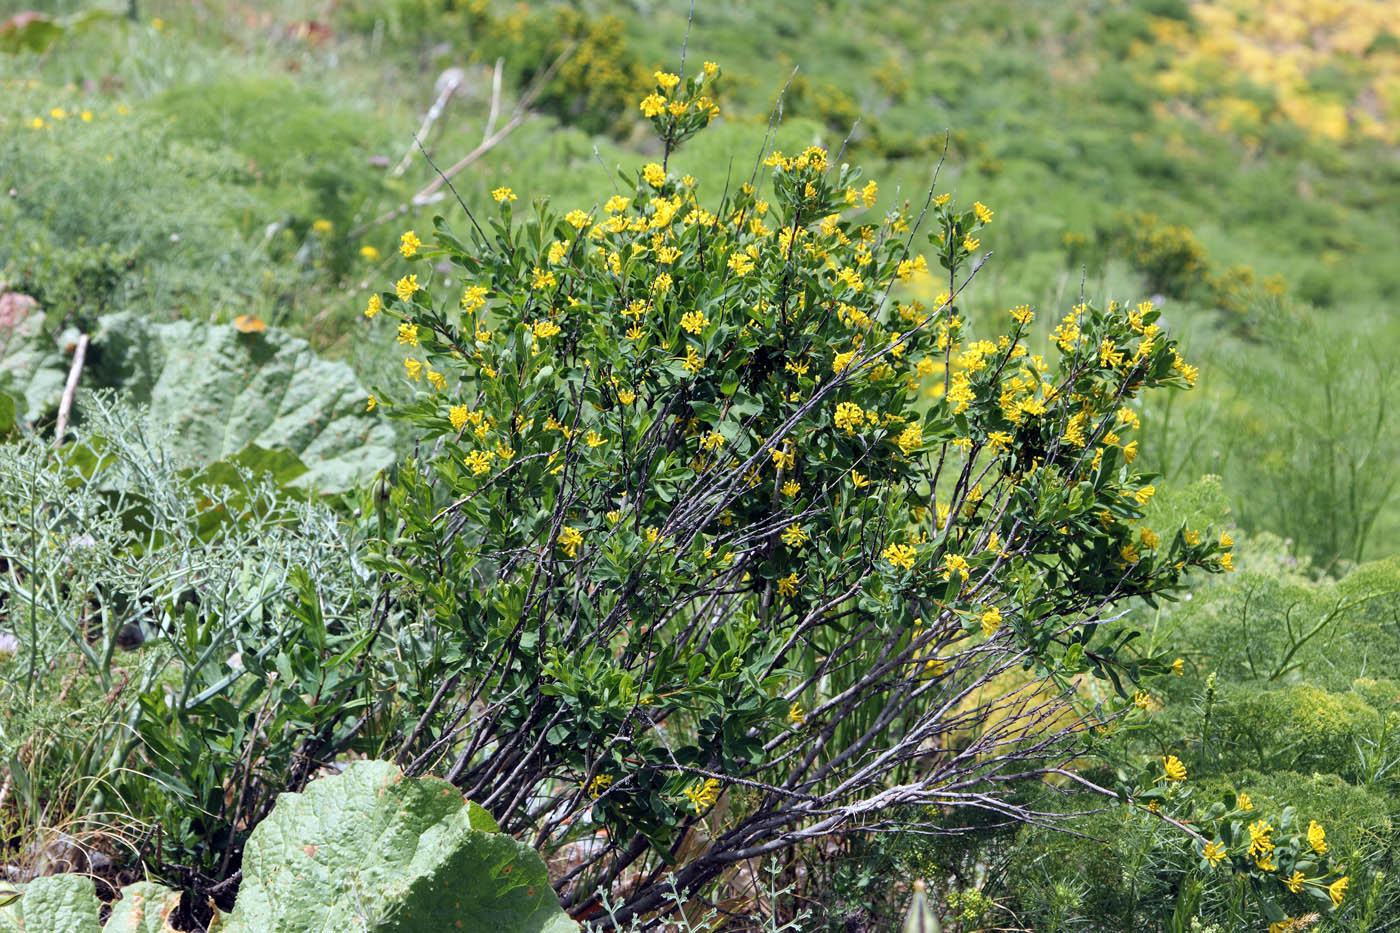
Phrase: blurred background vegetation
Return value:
(1235, 160)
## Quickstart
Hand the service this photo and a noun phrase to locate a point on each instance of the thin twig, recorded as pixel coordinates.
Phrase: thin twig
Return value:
(65, 406)
(454, 78)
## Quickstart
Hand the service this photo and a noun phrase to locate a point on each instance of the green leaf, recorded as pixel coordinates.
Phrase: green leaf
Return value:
(144, 908)
(31, 367)
(261, 399)
(55, 904)
(921, 917)
(369, 849)
(9, 413)
(28, 32)
(35, 32)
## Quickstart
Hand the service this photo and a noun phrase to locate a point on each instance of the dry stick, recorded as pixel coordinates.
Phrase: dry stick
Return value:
(455, 78)
(488, 142)
(495, 99)
(66, 405)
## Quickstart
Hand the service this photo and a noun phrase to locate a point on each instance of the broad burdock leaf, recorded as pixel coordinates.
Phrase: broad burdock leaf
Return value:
(369, 849)
(145, 907)
(221, 390)
(54, 904)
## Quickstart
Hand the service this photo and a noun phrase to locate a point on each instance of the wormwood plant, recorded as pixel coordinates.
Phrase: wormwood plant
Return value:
(181, 644)
(700, 568)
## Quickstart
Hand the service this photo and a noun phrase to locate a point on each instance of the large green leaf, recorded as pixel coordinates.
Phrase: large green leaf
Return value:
(32, 369)
(371, 850)
(144, 908)
(54, 904)
(365, 850)
(222, 390)
(36, 32)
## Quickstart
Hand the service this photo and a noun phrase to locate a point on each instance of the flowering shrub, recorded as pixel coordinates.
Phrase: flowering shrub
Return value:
(716, 542)
(1279, 859)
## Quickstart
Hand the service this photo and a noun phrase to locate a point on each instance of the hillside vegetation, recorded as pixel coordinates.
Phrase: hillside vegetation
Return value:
(261, 544)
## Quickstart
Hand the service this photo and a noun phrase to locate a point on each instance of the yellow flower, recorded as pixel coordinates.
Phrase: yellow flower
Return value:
(665, 80)
(850, 417)
(369, 406)
(409, 243)
(955, 563)
(900, 555)
(58, 113)
(787, 586)
(323, 226)
(626, 396)
(791, 488)
(599, 784)
(1179, 667)
(473, 298)
(408, 334)
(376, 304)
(796, 715)
(694, 321)
(569, 541)
(858, 480)
(910, 440)
(86, 116)
(577, 219)
(991, 621)
(970, 243)
(1294, 883)
(1338, 890)
(436, 379)
(1227, 561)
(1214, 853)
(413, 368)
(616, 204)
(710, 69)
(662, 284)
(654, 174)
(1175, 770)
(542, 278)
(369, 253)
(653, 105)
(457, 414)
(984, 213)
(703, 795)
(1317, 837)
(1260, 842)
(1243, 802)
(556, 253)
(1022, 314)
(545, 328)
(407, 286)
(594, 439)
(794, 536)
(502, 195)
(1141, 700)
(740, 263)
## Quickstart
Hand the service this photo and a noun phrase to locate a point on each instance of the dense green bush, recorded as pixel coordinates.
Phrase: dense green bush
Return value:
(696, 536)
(185, 644)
